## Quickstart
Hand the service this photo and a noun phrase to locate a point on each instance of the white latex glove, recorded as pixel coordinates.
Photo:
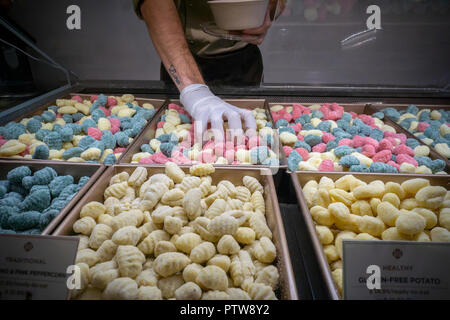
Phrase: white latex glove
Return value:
(206, 108)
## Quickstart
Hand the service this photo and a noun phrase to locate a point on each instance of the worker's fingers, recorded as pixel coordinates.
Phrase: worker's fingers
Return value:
(234, 124)
(234, 119)
(246, 115)
(217, 127)
(249, 119)
(238, 137)
(257, 42)
(200, 124)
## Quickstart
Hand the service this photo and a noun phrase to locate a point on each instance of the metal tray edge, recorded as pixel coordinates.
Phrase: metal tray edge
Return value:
(318, 248)
(41, 108)
(291, 289)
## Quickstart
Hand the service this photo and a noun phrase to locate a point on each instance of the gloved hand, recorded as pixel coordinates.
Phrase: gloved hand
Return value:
(206, 108)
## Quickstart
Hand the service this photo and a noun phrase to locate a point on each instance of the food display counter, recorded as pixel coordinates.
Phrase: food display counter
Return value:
(304, 271)
(352, 146)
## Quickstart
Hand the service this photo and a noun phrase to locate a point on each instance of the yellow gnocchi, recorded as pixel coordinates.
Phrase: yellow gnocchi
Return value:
(187, 242)
(121, 289)
(203, 252)
(103, 273)
(11, 148)
(99, 234)
(174, 172)
(169, 263)
(349, 208)
(173, 197)
(257, 201)
(129, 260)
(245, 235)
(260, 291)
(228, 245)
(87, 256)
(107, 250)
(212, 278)
(84, 226)
(252, 184)
(138, 177)
(188, 291)
(91, 154)
(221, 260)
(191, 203)
(202, 169)
(259, 224)
(92, 209)
(149, 293)
(117, 190)
(223, 224)
(264, 250)
(128, 235)
(148, 244)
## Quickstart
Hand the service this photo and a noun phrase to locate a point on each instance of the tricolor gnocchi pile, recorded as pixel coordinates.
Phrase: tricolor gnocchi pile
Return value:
(176, 235)
(77, 130)
(174, 141)
(349, 208)
(325, 138)
(432, 127)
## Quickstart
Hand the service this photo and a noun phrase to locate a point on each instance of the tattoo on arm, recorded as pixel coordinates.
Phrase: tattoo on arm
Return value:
(173, 72)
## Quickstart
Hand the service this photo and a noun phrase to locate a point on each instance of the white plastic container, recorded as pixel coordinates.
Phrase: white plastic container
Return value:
(238, 14)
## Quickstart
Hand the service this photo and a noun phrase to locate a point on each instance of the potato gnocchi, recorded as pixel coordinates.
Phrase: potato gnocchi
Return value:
(175, 235)
(349, 208)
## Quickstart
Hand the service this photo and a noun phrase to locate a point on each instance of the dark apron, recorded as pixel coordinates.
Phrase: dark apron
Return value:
(243, 67)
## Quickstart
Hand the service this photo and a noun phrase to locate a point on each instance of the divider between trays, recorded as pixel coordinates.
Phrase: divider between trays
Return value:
(433, 153)
(93, 170)
(149, 133)
(300, 178)
(157, 103)
(233, 174)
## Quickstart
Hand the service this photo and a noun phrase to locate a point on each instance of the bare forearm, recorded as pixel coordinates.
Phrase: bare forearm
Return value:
(168, 38)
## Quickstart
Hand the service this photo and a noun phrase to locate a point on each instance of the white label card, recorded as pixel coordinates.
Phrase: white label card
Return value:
(35, 267)
(400, 270)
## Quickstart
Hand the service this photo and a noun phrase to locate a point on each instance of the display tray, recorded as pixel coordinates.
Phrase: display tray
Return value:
(288, 289)
(433, 153)
(157, 103)
(149, 133)
(77, 171)
(299, 179)
(368, 109)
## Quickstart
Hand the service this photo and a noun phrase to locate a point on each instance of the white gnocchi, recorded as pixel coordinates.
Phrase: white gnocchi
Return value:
(176, 235)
